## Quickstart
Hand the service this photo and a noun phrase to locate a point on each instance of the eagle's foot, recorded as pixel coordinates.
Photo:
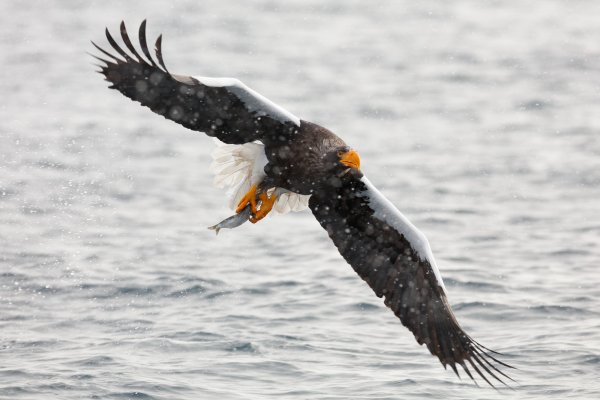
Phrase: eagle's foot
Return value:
(249, 198)
(266, 205)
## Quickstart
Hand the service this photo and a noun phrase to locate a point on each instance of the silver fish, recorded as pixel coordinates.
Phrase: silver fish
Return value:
(234, 221)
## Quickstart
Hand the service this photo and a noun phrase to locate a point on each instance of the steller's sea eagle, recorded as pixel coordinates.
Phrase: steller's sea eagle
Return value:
(275, 161)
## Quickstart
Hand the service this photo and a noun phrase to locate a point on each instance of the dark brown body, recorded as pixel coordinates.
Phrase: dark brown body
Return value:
(297, 164)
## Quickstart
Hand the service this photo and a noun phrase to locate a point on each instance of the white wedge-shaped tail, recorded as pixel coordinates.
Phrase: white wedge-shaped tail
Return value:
(238, 167)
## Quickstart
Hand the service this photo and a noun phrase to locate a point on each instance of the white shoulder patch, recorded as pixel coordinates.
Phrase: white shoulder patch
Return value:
(239, 166)
(254, 101)
(218, 82)
(387, 212)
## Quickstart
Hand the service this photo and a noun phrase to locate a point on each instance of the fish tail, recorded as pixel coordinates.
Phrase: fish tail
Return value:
(215, 228)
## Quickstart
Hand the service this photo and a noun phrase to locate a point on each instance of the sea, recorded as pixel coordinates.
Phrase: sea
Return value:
(479, 120)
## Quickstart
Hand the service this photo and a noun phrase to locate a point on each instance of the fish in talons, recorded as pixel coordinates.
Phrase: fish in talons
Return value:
(234, 221)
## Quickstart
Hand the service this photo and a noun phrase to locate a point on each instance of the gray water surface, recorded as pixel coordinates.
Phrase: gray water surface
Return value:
(480, 120)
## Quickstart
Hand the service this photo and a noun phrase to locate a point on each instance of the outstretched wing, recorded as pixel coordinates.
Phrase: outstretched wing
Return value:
(395, 259)
(221, 107)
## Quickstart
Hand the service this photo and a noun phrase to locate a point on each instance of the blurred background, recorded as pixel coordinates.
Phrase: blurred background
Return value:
(478, 119)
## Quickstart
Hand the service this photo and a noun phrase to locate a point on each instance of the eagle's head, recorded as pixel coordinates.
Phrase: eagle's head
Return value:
(342, 160)
(338, 163)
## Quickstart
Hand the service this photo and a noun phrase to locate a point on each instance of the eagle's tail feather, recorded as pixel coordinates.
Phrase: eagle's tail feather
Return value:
(241, 166)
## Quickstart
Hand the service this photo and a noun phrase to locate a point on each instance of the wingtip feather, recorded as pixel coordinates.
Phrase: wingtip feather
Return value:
(116, 47)
(144, 43)
(453, 366)
(128, 43)
(158, 51)
(117, 59)
(480, 374)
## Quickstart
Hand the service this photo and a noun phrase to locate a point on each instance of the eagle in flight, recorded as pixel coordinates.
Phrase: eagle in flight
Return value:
(275, 161)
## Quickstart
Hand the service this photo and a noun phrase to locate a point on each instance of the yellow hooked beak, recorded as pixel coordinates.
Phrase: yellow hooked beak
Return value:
(350, 159)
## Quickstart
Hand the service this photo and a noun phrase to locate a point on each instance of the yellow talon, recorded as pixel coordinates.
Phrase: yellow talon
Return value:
(266, 205)
(249, 197)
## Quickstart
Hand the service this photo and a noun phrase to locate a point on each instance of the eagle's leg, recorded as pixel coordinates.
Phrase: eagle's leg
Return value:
(249, 197)
(266, 205)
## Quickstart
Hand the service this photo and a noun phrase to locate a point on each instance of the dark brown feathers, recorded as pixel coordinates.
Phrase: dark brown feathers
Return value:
(227, 110)
(386, 259)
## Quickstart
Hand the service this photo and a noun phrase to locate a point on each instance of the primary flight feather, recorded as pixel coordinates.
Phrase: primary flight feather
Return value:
(282, 163)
